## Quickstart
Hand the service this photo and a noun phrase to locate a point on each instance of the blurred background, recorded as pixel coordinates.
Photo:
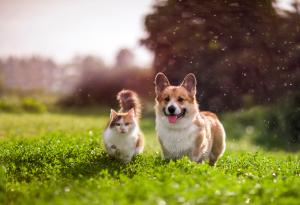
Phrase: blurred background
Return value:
(76, 55)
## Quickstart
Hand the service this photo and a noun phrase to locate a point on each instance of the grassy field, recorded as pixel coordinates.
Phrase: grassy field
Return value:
(59, 159)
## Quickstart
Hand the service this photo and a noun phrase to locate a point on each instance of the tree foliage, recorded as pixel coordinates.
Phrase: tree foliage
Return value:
(242, 52)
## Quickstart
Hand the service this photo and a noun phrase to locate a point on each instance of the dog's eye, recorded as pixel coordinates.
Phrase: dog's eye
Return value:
(180, 99)
(167, 99)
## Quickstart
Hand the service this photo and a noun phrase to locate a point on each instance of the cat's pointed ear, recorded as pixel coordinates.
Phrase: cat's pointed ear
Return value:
(113, 113)
(131, 112)
(161, 82)
(189, 83)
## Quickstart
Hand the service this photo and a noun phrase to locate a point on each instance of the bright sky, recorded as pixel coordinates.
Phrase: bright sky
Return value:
(63, 28)
(286, 4)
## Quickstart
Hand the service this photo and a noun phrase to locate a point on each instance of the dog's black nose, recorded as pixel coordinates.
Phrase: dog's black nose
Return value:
(171, 109)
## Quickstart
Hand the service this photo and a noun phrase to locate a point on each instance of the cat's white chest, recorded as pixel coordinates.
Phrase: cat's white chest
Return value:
(123, 146)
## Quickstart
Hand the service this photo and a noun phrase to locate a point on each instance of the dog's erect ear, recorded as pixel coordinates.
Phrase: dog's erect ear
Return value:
(190, 82)
(161, 82)
(113, 113)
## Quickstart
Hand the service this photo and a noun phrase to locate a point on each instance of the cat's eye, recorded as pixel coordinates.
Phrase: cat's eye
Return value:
(167, 99)
(118, 124)
(127, 123)
(180, 99)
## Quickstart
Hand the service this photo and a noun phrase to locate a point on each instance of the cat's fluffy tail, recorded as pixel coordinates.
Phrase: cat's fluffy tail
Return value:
(129, 99)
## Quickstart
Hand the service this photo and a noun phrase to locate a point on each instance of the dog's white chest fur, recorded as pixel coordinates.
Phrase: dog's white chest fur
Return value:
(177, 139)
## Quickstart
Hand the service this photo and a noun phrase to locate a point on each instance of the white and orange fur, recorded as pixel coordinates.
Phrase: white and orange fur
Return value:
(123, 138)
(181, 128)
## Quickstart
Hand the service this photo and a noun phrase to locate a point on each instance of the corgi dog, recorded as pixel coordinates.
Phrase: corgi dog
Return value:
(123, 138)
(181, 128)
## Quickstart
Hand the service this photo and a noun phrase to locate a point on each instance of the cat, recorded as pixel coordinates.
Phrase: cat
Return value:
(123, 138)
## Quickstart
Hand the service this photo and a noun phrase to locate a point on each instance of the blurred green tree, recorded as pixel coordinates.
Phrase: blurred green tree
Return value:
(237, 49)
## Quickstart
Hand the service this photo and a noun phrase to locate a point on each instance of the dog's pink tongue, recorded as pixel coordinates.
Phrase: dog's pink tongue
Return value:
(172, 118)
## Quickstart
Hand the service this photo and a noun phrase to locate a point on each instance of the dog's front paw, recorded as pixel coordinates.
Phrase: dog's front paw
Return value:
(194, 158)
(126, 159)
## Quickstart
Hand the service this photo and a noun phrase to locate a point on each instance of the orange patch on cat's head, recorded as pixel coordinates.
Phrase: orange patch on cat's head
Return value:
(115, 117)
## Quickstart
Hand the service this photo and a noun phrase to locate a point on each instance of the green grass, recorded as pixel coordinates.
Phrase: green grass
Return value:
(59, 159)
